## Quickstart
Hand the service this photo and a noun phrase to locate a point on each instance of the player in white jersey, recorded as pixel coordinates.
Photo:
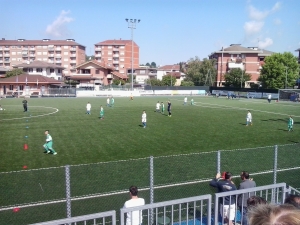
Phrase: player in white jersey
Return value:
(249, 118)
(144, 119)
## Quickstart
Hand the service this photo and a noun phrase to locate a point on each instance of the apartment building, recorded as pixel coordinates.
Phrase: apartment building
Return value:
(298, 50)
(118, 54)
(248, 59)
(66, 53)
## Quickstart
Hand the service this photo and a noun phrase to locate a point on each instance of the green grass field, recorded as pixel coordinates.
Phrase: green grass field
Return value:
(211, 125)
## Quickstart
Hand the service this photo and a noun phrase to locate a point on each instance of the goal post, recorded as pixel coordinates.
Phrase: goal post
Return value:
(288, 95)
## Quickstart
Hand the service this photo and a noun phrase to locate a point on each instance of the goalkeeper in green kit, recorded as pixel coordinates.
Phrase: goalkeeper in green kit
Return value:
(290, 124)
(48, 145)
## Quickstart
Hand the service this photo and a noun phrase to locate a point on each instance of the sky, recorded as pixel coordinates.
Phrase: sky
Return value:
(170, 31)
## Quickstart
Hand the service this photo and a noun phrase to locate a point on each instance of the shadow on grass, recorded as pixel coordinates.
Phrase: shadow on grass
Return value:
(294, 141)
(284, 120)
(282, 129)
(141, 125)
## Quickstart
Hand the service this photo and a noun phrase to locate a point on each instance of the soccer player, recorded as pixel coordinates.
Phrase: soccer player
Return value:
(192, 102)
(131, 96)
(112, 101)
(169, 108)
(157, 106)
(249, 118)
(48, 145)
(185, 100)
(88, 108)
(290, 124)
(162, 108)
(144, 119)
(269, 98)
(1, 108)
(107, 102)
(25, 105)
(101, 112)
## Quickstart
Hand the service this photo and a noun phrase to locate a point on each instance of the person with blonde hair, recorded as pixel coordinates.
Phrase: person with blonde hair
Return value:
(274, 215)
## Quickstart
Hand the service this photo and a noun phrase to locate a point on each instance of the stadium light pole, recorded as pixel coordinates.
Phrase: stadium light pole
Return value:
(286, 76)
(132, 25)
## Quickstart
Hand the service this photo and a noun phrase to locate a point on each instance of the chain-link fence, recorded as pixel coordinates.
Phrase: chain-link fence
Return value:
(54, 193)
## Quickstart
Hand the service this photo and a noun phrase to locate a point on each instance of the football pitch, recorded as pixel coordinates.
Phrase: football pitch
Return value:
(211, 124)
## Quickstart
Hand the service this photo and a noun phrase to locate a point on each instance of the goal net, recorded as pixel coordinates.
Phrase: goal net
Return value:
(288, 94)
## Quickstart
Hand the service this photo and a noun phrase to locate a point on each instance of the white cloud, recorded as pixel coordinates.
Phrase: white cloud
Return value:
(265, 43)
(256, 14)
(58, 27)
(253, 27)
(277, 21)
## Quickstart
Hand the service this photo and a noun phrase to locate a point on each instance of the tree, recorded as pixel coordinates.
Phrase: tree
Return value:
(153, 65)
(14, 72)
(201, 72)
(118, 82)
(168, 80)
(236, 78)
(153, 82)
(88, 58)
(130, 78)
(187, 83)
(148, 64)
(281, 70)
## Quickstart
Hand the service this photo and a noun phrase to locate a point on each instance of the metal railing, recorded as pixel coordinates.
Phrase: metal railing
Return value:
(105, 218)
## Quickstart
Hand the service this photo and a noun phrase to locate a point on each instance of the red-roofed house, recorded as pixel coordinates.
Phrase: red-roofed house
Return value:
(118, 53)
(94, 73)
(173, 70)
(26, 84)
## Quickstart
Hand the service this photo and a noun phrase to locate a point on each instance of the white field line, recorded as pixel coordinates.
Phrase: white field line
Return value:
(124, 192)
(218, 106)
(28, 117)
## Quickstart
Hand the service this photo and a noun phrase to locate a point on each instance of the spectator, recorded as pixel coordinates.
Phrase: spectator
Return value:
(265, 214)
(293, 200)
(227, 209)
(135, 217)
(253, 201)
(242, 199)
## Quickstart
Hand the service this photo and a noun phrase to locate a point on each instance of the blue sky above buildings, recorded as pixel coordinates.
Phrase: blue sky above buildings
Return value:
(170, 31)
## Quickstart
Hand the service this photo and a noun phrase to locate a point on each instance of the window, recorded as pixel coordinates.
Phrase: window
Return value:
(19, 53)
(30, 70)
(59, 70)
(109, 46)
(142, 71)
(11, 87)
(109, 53)
(51, 70)
(44, 47)
(39, 53)
(121, 46)
(13, 59)
(66, 65)
(66, 53)
(97, 71)
(66, 47)
(45, 53)
(21, 87)
(39, 70)
(13, 53)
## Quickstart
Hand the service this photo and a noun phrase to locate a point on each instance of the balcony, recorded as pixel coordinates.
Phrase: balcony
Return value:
(73, 49)
(57, 48)
(6, 61)
(58, 61)
(115, 62)
(6, 48)
(32, 48)
(73, 61)
(50, 48)
(109, 76)
(73, 55)
(1, 61)
(236, 60)
(1, 48)
(50, 55)
(98, 49)
(98, 55)
(116, 49)
(6, 54)
(115, 55)
(25, 49)
(1, 55)
(32, 55)
(57, 55)
(50, 61)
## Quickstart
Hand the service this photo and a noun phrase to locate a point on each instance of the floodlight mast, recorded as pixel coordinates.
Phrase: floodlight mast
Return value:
(132, 25)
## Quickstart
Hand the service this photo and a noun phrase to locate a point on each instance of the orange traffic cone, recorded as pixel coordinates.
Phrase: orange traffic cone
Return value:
(25, 146)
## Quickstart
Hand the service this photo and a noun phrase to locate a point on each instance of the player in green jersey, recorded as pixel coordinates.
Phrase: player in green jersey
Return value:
(290, 124)
(48, 145)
